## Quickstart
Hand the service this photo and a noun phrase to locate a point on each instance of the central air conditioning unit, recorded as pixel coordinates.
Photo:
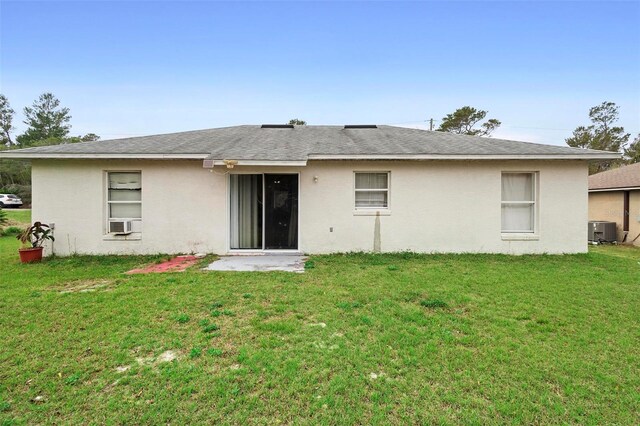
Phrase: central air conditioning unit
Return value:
(120, 227)
(601, 231)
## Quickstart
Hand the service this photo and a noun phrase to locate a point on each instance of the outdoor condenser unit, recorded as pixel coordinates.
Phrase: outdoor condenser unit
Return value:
(601, 231)
(120, 227)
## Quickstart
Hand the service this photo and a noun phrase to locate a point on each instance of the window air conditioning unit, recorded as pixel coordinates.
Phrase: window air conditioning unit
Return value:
(601, 231)
(120, 227)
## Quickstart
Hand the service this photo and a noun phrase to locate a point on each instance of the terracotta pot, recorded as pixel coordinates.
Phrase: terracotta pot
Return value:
(30, 255)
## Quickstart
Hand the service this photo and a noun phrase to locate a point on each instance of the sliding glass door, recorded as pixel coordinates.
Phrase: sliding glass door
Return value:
(246, 211)
(281, 212)
(264, 211)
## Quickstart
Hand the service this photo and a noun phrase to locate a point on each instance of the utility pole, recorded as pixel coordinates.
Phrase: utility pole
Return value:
(431, 124)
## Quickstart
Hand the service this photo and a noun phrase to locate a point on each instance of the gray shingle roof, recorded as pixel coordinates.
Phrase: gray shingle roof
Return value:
(251, 142)
(623, 177)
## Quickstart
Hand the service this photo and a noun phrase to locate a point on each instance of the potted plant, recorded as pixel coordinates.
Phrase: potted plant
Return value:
(34, 236)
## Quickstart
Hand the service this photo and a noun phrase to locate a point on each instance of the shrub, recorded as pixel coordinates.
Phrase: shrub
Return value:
(35, 235)
(10, 231)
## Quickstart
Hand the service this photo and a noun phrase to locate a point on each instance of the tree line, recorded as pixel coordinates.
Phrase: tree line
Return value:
(601, 134)
(48, 123)
(604, 135)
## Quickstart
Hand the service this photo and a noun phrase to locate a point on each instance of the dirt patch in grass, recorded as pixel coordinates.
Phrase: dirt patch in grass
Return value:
(84, 286)
(16, 223)
(166, 356)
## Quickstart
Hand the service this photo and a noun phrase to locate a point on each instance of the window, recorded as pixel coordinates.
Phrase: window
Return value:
(518, 202)
(372, 190)
(124, 198)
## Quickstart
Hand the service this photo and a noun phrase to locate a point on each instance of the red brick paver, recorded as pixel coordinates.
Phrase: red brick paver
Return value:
(177, 264)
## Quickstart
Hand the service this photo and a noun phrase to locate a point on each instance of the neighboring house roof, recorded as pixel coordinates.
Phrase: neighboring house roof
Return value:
(626, 177)
(252, 144)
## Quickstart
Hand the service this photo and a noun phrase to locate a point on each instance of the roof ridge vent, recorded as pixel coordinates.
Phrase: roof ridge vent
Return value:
(277, 126)
(360, 126)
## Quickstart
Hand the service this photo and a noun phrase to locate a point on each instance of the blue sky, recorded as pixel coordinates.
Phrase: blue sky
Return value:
(135, 68)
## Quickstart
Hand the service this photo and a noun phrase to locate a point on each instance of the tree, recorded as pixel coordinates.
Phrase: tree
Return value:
(297, 122)
(15, 175)
(632, 152)
(6, 121)
(462, 121)
(601, 134)
(46, 120)
(89, 137)
(48, 125)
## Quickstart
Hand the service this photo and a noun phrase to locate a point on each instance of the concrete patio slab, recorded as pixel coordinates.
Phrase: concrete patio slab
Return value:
(265, 263)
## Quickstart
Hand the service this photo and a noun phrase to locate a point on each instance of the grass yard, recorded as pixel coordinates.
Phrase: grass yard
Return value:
(357, 339)
(21, 217)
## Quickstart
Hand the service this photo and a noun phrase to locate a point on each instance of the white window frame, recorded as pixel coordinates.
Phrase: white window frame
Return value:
(534, 203)
(108, 202)
(387, 190)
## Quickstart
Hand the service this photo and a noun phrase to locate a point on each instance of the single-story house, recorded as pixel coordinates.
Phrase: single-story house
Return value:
(614, 196)
(311, 189)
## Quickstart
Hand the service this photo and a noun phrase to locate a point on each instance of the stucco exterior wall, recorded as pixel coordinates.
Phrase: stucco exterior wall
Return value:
(183, 206)
(609, 206)
(435, 206)
(634, 216)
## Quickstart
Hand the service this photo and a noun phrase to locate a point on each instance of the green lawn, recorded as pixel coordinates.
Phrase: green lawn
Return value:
(357, 339)
(19, 217)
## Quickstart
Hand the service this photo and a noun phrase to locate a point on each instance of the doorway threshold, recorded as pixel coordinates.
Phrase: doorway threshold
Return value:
(264, 253)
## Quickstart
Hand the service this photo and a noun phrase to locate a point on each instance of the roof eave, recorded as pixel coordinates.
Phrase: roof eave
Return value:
(271, 163)
(70, 156)
(619, 188)
(250, 162)
(581, 156)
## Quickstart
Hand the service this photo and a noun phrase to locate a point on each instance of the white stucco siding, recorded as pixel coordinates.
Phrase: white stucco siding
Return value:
(434, 206)
(443, 207)
(183, 207)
